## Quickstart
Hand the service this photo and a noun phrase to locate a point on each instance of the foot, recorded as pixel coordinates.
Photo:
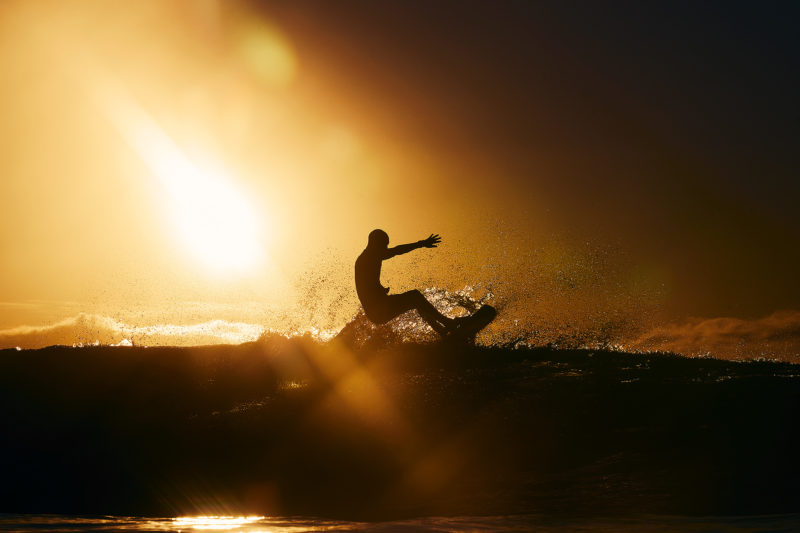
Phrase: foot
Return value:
(455, 324)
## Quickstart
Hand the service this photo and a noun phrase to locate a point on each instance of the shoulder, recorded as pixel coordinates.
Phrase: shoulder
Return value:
(364, 257)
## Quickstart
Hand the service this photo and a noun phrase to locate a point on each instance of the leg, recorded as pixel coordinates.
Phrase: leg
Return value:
(400, 303)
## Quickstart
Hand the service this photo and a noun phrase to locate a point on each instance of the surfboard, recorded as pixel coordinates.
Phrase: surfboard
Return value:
(471, 325)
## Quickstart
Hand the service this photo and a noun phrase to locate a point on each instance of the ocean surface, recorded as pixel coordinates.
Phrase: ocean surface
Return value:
(539, 524)
(373, 434)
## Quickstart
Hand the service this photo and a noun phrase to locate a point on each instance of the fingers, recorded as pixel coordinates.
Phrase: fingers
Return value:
(433, 240)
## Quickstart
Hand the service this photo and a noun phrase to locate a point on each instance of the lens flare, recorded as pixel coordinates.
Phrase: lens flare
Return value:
(267, 54)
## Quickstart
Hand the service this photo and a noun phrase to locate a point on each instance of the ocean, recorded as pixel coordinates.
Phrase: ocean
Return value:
(388, 436)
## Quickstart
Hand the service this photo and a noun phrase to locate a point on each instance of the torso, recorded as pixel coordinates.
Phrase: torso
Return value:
(368, 279)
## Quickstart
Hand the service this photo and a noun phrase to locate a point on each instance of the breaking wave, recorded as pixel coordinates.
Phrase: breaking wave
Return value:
(91, 329)
(774, 337)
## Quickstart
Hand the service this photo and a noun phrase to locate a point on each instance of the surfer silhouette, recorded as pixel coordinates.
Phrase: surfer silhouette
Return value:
(378, 304)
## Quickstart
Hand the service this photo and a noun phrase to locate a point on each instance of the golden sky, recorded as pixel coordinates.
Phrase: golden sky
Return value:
(171, 155)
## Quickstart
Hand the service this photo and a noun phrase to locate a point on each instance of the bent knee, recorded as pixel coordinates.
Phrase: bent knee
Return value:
(416, 295)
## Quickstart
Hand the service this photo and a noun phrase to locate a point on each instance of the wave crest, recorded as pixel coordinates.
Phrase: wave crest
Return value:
(89, 329)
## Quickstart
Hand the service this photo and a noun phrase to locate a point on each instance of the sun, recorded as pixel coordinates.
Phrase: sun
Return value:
(213, 218)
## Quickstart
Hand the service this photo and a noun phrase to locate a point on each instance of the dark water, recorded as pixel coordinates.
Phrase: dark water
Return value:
(539, 524)
(387, 434)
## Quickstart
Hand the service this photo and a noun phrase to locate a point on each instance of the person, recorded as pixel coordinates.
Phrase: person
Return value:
(378, 304)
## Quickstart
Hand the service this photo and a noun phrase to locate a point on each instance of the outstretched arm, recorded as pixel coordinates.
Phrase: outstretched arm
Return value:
(430, 242)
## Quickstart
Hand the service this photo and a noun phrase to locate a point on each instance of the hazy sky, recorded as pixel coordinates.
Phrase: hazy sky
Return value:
(671, 128)
(655, 142)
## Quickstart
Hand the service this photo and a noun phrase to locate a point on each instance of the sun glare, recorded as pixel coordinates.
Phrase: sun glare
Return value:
(213, 217)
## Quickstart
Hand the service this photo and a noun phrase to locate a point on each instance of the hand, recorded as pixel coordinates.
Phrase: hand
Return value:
(431, 241)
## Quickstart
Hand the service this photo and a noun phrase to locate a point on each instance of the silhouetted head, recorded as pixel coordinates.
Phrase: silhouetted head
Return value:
(378, 239)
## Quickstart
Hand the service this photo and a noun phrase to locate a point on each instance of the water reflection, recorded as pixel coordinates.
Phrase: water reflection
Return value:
(539, 523)
(216, 523)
